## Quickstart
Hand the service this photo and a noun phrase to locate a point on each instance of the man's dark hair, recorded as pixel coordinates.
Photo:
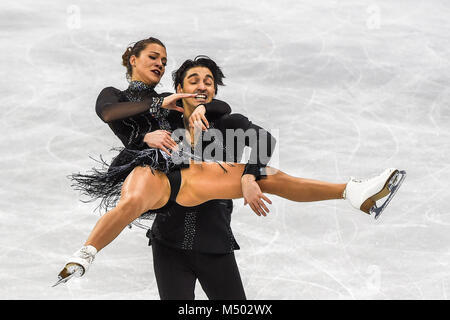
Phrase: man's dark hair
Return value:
(199, 61)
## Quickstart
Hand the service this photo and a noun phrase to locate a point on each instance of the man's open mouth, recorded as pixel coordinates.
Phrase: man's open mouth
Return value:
(201, 96)
(157, 72)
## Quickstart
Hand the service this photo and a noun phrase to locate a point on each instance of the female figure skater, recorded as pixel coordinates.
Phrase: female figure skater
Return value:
(147, 179)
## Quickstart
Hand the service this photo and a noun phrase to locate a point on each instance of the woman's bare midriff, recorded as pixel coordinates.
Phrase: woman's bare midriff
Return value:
(199, 183)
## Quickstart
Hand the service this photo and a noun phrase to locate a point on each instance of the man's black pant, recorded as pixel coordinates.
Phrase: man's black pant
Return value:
(177, 270)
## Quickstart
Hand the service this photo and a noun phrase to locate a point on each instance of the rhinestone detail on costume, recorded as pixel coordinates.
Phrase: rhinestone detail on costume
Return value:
(189, 230)
(138, 91)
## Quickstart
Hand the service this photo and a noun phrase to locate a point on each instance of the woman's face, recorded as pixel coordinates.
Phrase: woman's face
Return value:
(150, 66)
(198, 80)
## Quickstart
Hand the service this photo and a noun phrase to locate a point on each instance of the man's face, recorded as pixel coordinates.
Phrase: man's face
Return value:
(198, 80)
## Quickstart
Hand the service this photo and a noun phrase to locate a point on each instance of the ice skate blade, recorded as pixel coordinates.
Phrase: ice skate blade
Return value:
(371, 202)
(63, 280)
(392, 185)
(69, 271)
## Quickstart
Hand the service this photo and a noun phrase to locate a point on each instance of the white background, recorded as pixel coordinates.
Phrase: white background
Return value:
(352, 86)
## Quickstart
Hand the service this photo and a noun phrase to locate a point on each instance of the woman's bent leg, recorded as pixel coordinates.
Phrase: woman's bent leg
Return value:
(141, 191)
(207, 181)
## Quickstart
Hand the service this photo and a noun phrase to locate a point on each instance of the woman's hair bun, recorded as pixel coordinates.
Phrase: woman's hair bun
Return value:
(126, 56)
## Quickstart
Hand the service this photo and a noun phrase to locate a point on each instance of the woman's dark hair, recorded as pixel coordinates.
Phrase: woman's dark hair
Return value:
(135, 49)
(199, 61)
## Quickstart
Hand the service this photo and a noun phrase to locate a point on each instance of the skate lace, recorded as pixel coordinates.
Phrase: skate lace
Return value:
(359, 180)
(85, 254)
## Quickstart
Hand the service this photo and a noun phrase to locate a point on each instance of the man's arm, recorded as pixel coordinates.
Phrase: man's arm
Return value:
(216, 109)
(264, 140)
(254, 169)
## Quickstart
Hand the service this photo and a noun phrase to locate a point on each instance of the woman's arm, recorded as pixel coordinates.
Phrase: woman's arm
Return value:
(109, 107)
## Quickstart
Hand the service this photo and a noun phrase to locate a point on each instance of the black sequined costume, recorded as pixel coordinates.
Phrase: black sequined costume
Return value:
(131, 114)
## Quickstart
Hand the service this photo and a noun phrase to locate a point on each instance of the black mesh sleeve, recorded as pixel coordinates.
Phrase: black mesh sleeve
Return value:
(109, 106)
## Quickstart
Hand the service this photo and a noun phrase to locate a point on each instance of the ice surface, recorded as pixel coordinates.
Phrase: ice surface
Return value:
(352, 87)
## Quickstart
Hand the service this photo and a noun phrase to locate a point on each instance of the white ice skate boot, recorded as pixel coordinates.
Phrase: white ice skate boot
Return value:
(363, 194)
(78, 264)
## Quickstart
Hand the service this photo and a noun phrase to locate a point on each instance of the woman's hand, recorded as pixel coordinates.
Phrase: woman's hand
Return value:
(160, 139)
(198, 116)
(253, 196)
(170, 102)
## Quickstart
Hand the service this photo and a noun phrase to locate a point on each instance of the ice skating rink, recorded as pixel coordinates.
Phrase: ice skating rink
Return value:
(351, 87)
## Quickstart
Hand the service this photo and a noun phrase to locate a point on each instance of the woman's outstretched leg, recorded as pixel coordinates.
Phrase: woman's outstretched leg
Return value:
(299, 189)
(207, 181)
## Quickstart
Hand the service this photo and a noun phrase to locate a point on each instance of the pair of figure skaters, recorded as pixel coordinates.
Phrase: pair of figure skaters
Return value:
(188, 194)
